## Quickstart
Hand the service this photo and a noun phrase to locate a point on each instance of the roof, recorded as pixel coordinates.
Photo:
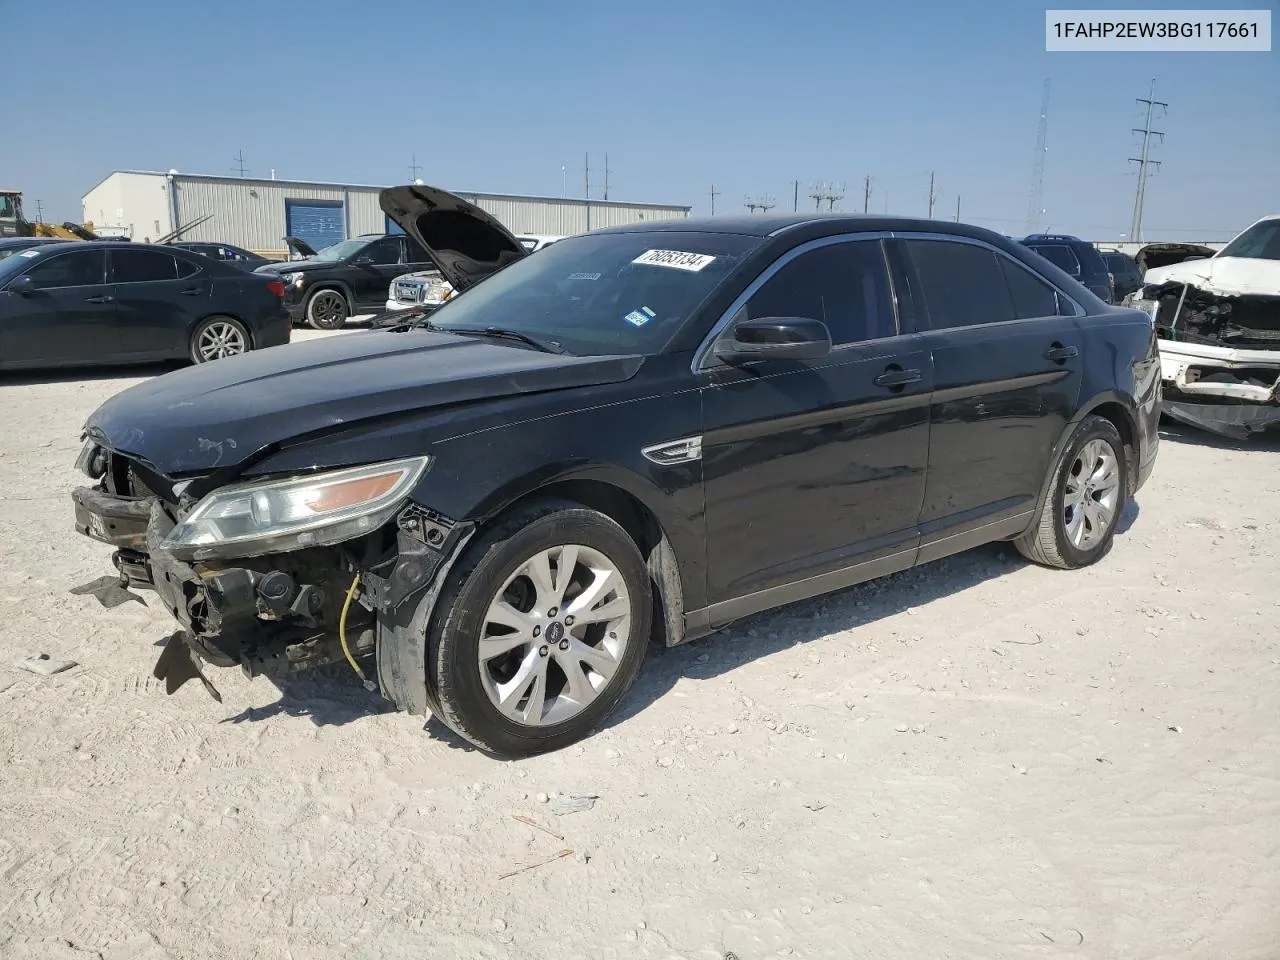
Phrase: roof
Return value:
(767, 225)
(465, 194)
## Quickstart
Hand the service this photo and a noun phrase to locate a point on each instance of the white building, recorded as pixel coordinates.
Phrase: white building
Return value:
(259, 214)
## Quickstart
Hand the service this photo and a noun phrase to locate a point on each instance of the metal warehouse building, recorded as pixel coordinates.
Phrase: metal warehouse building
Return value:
(259, 214)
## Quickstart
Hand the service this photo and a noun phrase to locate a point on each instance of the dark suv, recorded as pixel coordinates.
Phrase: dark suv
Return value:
(1124, 269)
(1080, 260)
(349, 277)
(650, 430)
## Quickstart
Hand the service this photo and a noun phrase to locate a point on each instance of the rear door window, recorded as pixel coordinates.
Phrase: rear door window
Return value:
(1031, 296)
(142, 266)
(1060, 255)
(963, 285)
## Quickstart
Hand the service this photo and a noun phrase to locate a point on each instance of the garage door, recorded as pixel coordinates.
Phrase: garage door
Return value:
(393, 227)
(319, 222)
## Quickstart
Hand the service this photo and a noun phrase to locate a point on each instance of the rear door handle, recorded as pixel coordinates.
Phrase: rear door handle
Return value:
(101, 298)
(192, 292)
(895, 376)
(1059, 353)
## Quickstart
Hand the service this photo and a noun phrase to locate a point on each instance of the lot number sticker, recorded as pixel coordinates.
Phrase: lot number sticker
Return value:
(693, 262)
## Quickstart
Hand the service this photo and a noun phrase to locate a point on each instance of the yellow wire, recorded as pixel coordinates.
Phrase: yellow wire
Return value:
(342, 628)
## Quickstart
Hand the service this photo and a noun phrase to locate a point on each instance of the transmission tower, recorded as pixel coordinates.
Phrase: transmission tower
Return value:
(1135, 232)
(764, 203)
(1035, 208)
(414, 169)
(240, 163)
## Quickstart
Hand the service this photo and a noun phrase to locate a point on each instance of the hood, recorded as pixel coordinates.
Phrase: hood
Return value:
(1221, 276)
(465, 242)
(300, 247)
(218, 414)
(288, 266)
(1156, 255)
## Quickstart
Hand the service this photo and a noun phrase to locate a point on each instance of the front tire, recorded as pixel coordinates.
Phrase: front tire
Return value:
(1076, 522)
(217, 337)
(540, 630)
(327, 310)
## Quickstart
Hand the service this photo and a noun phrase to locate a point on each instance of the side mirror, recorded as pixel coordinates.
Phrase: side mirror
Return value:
(774, 338)
(363, 261)
(20, 285)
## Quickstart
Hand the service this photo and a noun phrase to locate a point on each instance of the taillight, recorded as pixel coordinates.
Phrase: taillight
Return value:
(276, 287)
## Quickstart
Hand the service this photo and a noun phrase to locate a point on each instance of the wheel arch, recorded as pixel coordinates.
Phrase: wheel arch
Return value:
(1120, 410)
(339, 286)
(625, 501)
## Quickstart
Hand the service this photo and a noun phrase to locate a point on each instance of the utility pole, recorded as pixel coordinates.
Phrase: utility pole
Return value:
(866, 194)
(1035, 208)
(240, 162)
(607, 171)
(586, 187)
(39, 212)
(932, 196)
(413, 167)
(714, 193)
(957, 208)
(817, 193)
(1135, 232)
(764, 203)
(795, 200)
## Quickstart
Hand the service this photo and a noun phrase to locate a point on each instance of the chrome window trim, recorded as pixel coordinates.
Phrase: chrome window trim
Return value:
(974, 241)
(699, 355)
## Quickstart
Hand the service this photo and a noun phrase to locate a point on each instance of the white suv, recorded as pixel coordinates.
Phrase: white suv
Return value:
(428, 288)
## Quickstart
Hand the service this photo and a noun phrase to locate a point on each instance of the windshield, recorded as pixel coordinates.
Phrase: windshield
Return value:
(6, 206)
(15, 264)
(1259, 242)
(339, 251)
(602, 294)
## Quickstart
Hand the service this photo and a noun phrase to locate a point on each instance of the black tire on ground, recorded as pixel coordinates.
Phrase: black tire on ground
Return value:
(327, 310)
(1047, 542)
(453, 635)
(218, 337)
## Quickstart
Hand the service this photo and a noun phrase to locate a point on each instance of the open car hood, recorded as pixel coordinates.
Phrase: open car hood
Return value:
(465, 242)
(216, 415)
(1156, 255)
(300, 246)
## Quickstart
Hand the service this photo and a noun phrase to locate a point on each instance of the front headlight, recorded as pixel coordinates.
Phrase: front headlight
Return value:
(294, 277)
(277, 516)
(1149, 307)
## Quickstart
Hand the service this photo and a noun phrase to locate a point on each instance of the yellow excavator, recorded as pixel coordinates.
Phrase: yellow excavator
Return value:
(14, 224)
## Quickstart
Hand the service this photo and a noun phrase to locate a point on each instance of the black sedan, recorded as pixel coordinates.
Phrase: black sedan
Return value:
(224, 252)
(650, 430)
(79, 303)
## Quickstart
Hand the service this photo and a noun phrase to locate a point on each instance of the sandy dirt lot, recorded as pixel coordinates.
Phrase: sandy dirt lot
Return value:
(978, 759)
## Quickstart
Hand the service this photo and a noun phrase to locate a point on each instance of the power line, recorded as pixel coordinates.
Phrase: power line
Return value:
(1143, 162)
(1035, 202)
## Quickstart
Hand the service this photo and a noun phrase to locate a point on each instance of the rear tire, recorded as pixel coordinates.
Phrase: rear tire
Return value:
(1088, 490)
(217, 337)
(587, 602)
(327, 310)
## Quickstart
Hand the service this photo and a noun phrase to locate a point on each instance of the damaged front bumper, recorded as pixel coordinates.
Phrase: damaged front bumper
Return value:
(271, 615)
(1218, 369)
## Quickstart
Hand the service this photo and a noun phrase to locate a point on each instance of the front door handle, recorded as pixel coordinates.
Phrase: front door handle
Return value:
(895, 376)
(1058, 353)
(101, 298)
(192, 292)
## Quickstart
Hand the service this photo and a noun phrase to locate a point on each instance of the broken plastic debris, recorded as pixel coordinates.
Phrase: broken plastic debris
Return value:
(564, 804)
(42, 665)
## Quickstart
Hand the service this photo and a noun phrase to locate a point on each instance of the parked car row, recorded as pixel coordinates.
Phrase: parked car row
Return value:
(642, 432)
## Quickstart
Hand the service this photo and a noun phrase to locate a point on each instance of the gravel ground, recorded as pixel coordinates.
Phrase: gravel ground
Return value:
(979, 758)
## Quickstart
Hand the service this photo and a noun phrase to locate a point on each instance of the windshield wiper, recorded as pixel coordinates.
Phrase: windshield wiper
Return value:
(501, 333)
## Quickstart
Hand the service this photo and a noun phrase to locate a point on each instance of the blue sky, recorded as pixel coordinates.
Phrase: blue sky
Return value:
(749, 96)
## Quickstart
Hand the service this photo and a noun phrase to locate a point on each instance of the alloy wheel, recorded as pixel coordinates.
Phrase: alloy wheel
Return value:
(554, 635)
(328, 309)
(220, 339)
(1091, 494)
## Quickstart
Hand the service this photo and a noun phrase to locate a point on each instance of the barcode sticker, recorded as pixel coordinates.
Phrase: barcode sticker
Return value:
(693, 262)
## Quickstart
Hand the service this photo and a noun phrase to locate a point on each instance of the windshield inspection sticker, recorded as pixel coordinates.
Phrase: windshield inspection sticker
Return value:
(693, 262)
(638, 318)
(584, 276)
